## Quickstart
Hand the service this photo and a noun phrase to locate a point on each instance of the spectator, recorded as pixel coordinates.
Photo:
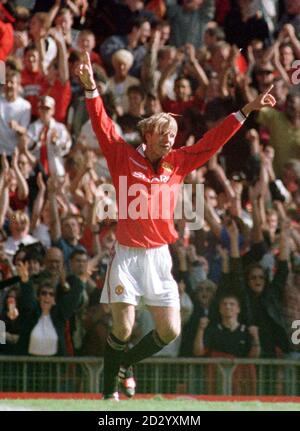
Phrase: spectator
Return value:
(42, 319)
(188, 20)
(11, 317)
(32, 78)
(15, 113)
(65, 234)
(38, 30)
(229, 339)
(292, 15)
(50, 140)
(134, 42)
(283, 127)
(122, 61)
(19, 225)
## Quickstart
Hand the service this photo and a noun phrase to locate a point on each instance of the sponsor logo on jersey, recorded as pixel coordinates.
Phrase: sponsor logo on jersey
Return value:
(167, 166)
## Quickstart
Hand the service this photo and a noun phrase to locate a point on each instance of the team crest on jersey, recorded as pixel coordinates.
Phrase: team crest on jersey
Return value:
(119, 290)
(167, 166)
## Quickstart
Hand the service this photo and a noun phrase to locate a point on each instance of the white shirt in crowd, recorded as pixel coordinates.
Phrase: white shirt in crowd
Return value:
(57, 151)
(11, 245)
(87, 135)
(120, 90)
(42, 233)
(43, 338)
(19, 110)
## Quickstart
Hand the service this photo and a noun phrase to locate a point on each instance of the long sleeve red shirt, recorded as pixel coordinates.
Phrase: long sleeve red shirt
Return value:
(133, 177)
(6, 39)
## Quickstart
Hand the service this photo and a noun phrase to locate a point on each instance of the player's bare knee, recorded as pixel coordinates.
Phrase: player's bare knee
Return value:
(122, 333)
(169, 334)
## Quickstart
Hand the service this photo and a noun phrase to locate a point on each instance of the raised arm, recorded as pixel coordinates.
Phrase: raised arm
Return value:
(4, 194)
(38, 203)
(190, 158)
(55, 225)
(22, 189)
(109, 140)
(63, 68)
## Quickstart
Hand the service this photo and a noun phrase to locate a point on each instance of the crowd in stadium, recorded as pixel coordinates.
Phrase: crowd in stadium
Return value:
(239, 275)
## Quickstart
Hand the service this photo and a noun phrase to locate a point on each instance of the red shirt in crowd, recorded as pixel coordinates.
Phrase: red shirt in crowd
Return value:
(34, 84)
(62, 94)
(6, 39)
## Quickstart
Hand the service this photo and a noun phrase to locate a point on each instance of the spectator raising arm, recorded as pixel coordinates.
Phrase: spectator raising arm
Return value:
(22, 188)
(4, 185)
(199, 347)
(38, 203)
(55, 224)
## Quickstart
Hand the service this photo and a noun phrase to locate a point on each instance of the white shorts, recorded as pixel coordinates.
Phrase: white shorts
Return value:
(144, 274)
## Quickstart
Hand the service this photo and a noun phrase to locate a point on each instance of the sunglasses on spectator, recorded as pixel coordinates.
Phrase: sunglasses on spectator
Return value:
(256, 277)
(264, 72)
(47, 293)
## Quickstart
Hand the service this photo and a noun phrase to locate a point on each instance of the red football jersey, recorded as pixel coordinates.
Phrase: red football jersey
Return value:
(137, 184)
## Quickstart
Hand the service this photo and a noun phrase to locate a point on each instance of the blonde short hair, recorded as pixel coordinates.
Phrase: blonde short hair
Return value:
(19, 217)
(160, 123)
(122, 55)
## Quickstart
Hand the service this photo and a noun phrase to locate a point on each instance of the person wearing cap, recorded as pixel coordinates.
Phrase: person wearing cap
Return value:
(264, 75)
(50, 140)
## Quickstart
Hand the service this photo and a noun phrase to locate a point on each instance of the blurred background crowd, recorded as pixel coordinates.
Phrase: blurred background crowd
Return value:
(239, 275)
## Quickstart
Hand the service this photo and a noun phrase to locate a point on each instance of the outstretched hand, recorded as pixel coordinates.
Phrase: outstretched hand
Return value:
(261, 101)
(84, 71)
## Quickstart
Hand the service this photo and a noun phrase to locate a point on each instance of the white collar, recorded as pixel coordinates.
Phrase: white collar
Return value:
(141, 149)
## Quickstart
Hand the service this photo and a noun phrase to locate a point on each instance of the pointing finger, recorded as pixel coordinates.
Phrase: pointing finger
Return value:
(87, 59)
(269, 89)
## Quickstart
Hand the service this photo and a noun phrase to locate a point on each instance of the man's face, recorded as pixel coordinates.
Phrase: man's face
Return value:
(229, 308)
(286, 56)
(145, 32)
(12, 87)
(256, 280)
(265, 76)
(135, 99)
(87, 43)
(70, 229)
(64, 22)
(79, 264)
(34, 267)
(280, 91)
(165, 32)
(160, 143)
(31, 60)
(54, 261)
(45, 114)
(182, 89)
(205, 295)
(35, 27)
(24, 165)
(211, 197)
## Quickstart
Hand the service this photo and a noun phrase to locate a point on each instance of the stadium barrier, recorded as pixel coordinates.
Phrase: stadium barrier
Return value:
(206, 376)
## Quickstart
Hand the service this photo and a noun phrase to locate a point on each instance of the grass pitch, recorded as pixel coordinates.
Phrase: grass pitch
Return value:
(155, 404)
